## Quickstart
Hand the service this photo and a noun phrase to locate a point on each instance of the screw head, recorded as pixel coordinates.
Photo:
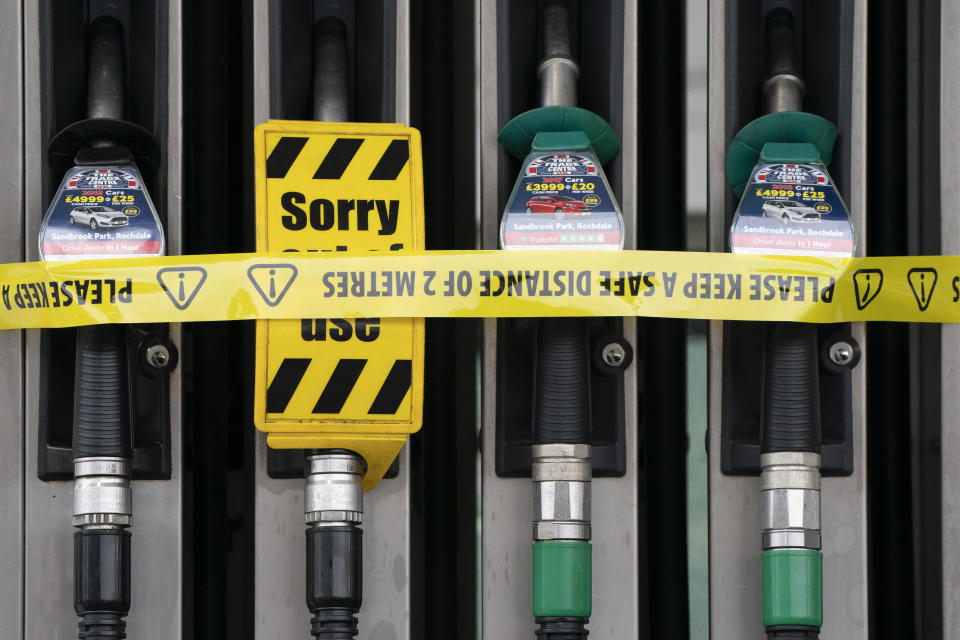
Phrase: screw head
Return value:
(158, 356)
(841, 353)
(613, 354)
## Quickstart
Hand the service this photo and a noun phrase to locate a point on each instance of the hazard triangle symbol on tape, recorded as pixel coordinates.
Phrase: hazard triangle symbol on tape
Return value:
(866, 285)
(272, 281)
(182, 284)
(922, 281)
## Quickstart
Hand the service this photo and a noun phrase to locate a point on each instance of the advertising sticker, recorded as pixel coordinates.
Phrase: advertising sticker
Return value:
(792, 209)
(562, 201)
(101, 212)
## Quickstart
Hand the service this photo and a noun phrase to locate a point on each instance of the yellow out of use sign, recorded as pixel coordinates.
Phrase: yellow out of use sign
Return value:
(322, 382)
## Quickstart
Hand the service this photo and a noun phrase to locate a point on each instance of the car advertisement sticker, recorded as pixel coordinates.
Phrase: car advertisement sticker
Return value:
(562, 201)
(792, 209)
(101, 212)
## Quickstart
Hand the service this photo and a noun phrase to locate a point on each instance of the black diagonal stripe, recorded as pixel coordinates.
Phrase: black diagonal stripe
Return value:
(394, 389)
(285, 383)
(283, 156)
(339, 386)
(338, 158)
(391, 164)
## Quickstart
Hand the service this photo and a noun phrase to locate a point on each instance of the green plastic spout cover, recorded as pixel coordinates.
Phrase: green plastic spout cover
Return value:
(562, 579)
(784, 126)
(517, 137)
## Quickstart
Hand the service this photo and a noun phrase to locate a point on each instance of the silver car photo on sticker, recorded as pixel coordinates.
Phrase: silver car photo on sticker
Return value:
(96, 217)
(787, 211)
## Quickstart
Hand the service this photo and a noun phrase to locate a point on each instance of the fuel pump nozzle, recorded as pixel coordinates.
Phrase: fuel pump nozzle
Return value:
(789, 206)
(790, 445)
(89, 217)
(561, 470)
(561, 200)
(103, 500)
(333, 495)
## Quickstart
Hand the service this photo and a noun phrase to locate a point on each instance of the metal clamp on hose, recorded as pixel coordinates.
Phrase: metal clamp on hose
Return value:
(790, 500)
(333, 493)
(561, 492)
(101, 493)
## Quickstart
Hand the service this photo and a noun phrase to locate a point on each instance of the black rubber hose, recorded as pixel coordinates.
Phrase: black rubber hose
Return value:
(556, 628)
(334, 580)
(101, 582)
(781, 42)
(562, 406)
(101, 416)
(791, 388)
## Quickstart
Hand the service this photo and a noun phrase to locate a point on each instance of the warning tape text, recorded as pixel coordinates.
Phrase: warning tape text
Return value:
(477, 284)
(57, 294)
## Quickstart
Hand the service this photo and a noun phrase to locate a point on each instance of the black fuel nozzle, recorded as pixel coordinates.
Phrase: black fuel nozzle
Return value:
(333, 495)
(103, 503)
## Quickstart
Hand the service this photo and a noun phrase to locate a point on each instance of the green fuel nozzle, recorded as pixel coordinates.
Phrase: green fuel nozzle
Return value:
(560, 201)
(789, 205)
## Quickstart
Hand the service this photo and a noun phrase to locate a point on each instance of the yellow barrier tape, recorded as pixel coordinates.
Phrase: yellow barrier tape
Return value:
(463, 284)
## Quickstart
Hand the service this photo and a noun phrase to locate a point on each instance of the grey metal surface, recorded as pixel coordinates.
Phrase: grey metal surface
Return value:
(735, 502)
(280, 610)
(505, 546)
(11, 342)
(156, 610)
(950, 333)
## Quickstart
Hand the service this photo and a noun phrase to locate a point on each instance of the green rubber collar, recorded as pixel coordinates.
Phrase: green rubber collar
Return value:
(548, 141)
(562, 579)
(789, 152)
(517, 137)
(792, 587)
(785, 126)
